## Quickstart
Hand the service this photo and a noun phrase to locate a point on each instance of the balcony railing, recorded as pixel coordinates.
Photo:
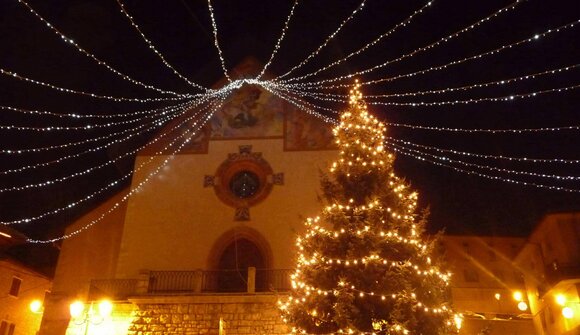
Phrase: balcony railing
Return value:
(556, 273)
(118, 289)
(193, 282)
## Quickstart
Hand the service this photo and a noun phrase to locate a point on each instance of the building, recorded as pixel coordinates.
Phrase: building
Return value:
(20, 284)
(204, 242)
(484, 283)
(551, 264)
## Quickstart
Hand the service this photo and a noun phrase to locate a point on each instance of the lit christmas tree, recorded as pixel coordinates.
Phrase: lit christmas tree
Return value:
(363, 266)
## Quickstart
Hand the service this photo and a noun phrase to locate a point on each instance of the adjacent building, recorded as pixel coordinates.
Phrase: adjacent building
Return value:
(550, 262)
(20, 285)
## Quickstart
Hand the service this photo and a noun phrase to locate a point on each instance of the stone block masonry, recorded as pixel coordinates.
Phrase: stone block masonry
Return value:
(201, 314)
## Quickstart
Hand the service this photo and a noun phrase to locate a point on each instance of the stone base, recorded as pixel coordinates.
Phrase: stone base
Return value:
(193, 315)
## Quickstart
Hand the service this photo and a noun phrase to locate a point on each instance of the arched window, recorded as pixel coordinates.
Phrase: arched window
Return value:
(233, 266)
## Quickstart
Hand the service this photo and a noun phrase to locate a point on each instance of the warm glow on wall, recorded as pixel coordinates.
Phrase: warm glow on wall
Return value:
(561, 299)
(518, 296)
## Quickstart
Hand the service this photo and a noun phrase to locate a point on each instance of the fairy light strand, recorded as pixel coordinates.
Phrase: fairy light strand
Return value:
(138, 131)
(427, 47)
(88, 94)
(531, 39)
(364, 48)
(74, 144)
(486, 176)
(155, 50)
(87, 171)
(328, 39)
(477, 100)
(216, 43)
(126, 197)
(93, 57)
(495, 157)
(91, 195)
(479, 85)
(279, 41)
(88, 116)
(486, 167)
(483, 130)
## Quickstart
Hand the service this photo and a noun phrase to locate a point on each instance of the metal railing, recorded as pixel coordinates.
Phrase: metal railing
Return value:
(216, 281)
(118, 289)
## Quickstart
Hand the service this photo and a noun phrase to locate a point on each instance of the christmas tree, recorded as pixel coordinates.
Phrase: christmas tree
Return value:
(364, 265)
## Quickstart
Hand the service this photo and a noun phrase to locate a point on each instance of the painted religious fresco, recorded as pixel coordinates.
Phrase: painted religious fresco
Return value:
(249, 112)
(307, 132)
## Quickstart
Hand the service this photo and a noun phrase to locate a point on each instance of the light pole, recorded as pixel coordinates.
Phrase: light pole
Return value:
(93, 315)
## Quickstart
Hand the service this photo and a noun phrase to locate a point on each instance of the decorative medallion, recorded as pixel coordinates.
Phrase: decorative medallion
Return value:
(243, 180)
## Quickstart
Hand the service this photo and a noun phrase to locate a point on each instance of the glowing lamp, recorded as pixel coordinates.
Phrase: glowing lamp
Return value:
(458, 321)
(76, 309)
(105, 308)
(35, 306)
(561, 299)
(497, 296)
(518, 296)
(567, 312)
(522, 306)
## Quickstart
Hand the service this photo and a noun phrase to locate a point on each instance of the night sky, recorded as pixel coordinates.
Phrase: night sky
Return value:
(182, 31)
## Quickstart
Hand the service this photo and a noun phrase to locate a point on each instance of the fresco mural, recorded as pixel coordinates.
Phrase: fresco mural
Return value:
(307, 132)
(248, 113)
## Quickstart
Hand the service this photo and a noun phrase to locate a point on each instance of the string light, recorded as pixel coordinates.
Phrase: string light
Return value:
(90, 196)
(92, 95)
(463, 60)
(90, 116)
(368, 45)
(497, 157)
(478, 100)
(486, 167)
(279, 41)
(154, 49)
(491, 177)
(480, 85)
(93, 57)
(328, 39)
(419, 50)
(126, 197)
(482, 130)
(88, 170)
(216, 43)
(137, 131)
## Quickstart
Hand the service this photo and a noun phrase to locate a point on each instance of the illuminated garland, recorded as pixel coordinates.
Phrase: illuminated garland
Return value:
(368, 45)
(93, 57)
(419, 50)
(497, 157)
(138, 187)
(279, 41)
(154, 49)
(328, 39)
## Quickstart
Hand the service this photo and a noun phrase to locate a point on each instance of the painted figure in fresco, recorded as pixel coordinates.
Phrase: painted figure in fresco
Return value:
(240, 113)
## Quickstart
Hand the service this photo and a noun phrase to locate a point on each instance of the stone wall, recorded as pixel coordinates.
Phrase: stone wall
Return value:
(192, 315)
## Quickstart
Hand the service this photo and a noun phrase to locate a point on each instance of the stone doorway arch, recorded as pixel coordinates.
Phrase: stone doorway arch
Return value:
(233, 253)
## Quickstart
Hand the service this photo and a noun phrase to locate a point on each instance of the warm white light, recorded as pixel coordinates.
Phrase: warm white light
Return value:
(497, 296)
(76, 309)
(561, 299)
(567, 312)
(458, 321)
(105, 308)
(518, 296)
(522, 306)
(35, 306)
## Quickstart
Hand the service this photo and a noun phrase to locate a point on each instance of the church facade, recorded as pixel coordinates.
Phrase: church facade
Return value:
(205, 239)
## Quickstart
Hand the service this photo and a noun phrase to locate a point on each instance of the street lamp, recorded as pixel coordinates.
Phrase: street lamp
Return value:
(36, 306)
(93, 315)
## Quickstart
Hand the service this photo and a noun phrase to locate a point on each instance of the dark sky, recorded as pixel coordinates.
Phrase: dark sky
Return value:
(181, 29)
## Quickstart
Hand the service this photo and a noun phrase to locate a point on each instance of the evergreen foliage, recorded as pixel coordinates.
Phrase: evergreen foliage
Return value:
(364, 266)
